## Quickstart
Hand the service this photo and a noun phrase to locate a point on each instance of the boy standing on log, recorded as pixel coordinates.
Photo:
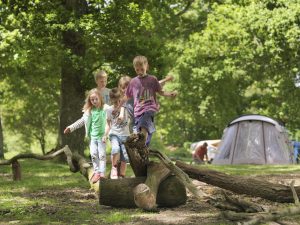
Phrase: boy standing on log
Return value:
(143, 89)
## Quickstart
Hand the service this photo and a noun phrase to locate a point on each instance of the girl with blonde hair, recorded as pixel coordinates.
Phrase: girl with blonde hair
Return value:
(94, 120)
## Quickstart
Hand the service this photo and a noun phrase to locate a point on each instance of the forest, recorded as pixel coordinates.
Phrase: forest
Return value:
(228, 58)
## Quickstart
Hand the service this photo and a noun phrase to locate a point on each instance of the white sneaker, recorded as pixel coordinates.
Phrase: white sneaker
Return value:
(114, 173)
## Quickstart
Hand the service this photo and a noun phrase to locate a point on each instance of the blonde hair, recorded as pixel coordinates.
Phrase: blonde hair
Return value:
(140, 61)
(115, 95)
(100, 74)
(88, 104)
(124, 81)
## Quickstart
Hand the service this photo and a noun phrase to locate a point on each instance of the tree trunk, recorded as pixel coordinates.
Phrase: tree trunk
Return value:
(16, 168)
(119, 193)
(72, 91)
(1, 141)
(241, 185)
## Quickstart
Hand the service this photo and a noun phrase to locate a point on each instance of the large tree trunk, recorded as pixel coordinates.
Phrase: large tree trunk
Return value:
(1, 141)
(119, 193)
(241, 185)
(72, 91)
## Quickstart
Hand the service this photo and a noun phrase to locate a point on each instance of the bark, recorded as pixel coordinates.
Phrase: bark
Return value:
(145, 194)
(16, 168)
(119, 193)
(241, 185)
(138, 154)
(1, 141)
(72, 91)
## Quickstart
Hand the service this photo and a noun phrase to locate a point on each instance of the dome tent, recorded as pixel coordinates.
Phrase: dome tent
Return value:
(254, 139)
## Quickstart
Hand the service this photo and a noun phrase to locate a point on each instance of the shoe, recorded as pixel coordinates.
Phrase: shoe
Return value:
(95, 178)
(121, 176)
(114, 173)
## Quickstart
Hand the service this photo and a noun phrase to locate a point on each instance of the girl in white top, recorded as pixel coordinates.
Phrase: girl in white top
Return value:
(118, 132)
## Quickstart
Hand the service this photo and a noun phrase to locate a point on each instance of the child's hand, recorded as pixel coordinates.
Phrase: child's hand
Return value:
(67, 130)
(169, 78)
(104, 139)
(120, 119)
(173, 94)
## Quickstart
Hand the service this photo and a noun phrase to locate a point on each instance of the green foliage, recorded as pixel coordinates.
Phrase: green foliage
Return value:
(228, 57)
(243, 60)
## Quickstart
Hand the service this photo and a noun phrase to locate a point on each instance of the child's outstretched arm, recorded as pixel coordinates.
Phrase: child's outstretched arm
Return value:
(165, 80)
(74, 126)
(171, 94)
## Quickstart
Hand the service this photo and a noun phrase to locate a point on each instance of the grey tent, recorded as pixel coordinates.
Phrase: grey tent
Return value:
(254, 139)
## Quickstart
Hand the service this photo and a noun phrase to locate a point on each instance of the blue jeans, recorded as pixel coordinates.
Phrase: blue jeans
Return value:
(146, 120)
(98, 155)
(117, 146)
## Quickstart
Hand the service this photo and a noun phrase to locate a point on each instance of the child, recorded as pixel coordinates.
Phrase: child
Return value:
(122, 85)
(118, 133)
(94, 120)
(101, 81)
(143, 89)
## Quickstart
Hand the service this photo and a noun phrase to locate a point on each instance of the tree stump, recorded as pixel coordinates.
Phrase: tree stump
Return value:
(119, 193)
(138, 154)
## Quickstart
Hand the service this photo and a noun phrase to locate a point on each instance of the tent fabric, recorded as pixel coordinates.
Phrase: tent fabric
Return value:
(254, 139)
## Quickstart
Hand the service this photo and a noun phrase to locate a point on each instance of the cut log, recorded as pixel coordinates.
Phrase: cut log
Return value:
(241, 185)
(145, 193)
(119, 193)
(137, 154)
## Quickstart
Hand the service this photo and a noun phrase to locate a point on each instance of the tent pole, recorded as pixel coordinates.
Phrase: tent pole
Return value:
(264, 141)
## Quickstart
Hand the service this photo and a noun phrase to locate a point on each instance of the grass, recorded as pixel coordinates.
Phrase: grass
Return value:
(50, 194)
(247, 170)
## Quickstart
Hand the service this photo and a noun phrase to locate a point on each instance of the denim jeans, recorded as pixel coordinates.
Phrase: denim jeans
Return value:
(117, 146)
(98, 154)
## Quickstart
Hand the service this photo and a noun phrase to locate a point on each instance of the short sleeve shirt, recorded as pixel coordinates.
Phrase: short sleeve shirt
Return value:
(120, 129)
(143, 91)
(105, 95)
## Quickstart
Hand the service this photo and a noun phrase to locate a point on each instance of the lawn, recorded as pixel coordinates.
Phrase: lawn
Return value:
(50, 194)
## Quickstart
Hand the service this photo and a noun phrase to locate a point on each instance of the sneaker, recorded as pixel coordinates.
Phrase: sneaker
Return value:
(95, 178)
(114, 173)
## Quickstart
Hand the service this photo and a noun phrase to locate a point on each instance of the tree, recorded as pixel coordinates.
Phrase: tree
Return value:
(242, 59)
(1, 141)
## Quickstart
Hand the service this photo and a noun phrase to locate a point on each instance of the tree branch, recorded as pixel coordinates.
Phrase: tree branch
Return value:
(32, 156)
(186, 8)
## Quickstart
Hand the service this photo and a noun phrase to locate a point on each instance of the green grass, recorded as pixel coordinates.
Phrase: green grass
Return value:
(50, 194)
(254, 169)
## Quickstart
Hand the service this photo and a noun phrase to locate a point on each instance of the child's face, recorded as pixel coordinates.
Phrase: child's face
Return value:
(101, 82)
(123, 89)
(95, 100)
(141, 70)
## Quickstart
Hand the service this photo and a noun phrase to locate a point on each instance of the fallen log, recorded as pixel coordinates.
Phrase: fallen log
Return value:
(145, 194)
(119, 193)
(241, 185)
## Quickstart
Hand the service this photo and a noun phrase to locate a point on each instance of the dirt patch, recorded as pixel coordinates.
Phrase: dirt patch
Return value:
(193, 212)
